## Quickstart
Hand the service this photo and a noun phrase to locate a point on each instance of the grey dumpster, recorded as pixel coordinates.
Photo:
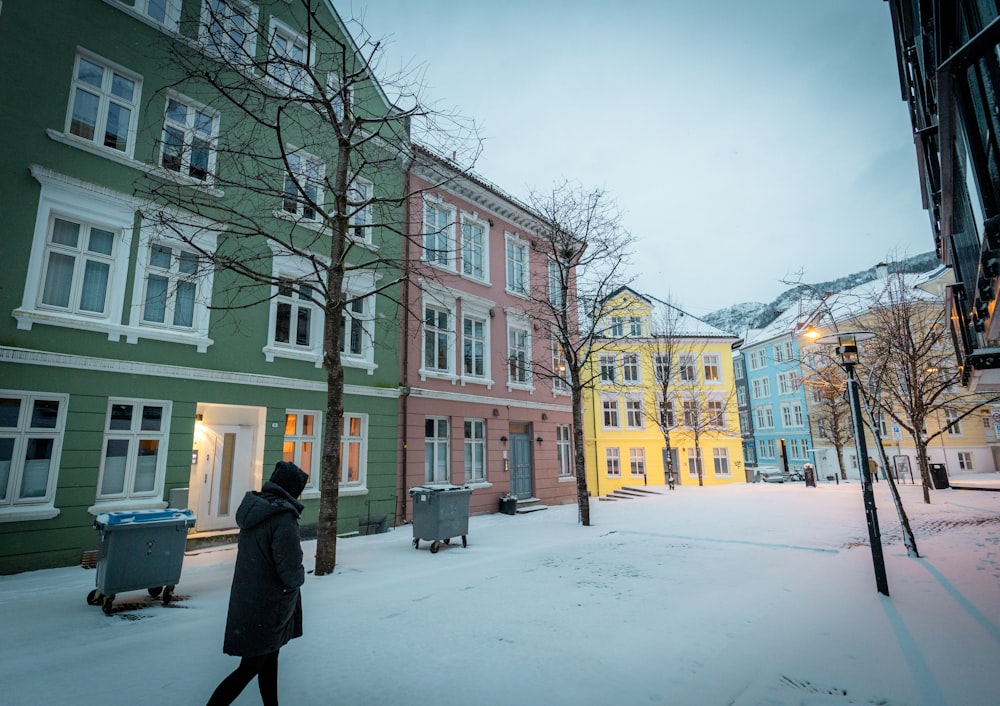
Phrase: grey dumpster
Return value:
(440, 513)
(139, 550)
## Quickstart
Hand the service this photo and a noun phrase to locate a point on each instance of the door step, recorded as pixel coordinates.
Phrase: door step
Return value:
(527, 505)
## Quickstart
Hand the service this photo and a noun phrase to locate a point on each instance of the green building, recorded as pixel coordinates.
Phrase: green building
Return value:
(134, 372)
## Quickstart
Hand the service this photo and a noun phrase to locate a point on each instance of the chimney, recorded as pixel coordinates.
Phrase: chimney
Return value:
(882, 271)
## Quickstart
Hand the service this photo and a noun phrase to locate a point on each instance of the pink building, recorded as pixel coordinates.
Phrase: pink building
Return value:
(476, 409)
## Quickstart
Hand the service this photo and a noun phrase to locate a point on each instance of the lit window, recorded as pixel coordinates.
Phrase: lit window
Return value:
(302, 443)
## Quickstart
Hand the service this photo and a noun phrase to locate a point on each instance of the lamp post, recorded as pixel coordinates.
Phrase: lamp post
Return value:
(847, 352)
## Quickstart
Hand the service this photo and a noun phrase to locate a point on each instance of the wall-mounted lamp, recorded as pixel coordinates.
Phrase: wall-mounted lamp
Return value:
(496, 412)
(538, 439)
(199, 417)
(503, 440)
(544, 416)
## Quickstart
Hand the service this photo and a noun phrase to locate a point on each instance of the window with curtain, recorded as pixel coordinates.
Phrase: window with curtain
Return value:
(171, 286)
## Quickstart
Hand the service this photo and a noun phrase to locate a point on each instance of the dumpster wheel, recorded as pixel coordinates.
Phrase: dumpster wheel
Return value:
(435, 546)
(155, 591)
(94, 597)
(168, 594)
(107, 603)
(465, 542)
(416, 543)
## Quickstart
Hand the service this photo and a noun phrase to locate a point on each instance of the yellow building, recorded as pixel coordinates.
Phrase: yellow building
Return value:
(659, 373)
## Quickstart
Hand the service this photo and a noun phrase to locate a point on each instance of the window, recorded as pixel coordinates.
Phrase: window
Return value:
(610, 408)
(135, 450)
(716, 413)
(474, 347)
(786, 382)
(764, 417)
(289, 60)
(190, 132)
(439, 225)
(767, 448)
(694, 461)
(789, 353)
(229, 30)
(353, 454)
(720, 457)
(608, 363)
(303, 191)
(359, 198)
(437, 337)
(822, 429)
(738, 369)
(302, 443)
(711, 367)
(634, 326)
(633, 414)
(691, 413)
(474, 248)
(617, 327)
(668, 418)
(798, 419)
(745, 423)
(686, 368)
(518, 355)
(560, 369)
(661, 367)
(564, 450)
(436, 450)
(786, 414)
(31, 434)
(295, 315)
(475, 451)
(162, 12)
(757, 360)
(171, 287)
(354, 339)
(741, 396)
(761, 388)
(79, 264)
(338, 94)
(630, 368)
(965, 460)
(517, 265)
(104, 103)
(952, 422)
(778, 354)
(637, 461)
(556, 297)
(613, 462)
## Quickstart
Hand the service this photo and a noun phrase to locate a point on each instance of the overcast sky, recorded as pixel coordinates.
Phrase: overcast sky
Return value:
(745, 140)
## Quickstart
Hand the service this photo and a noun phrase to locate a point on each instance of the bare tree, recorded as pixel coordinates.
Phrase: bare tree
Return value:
(581, 235)
(299, 195)
(915, 368)
(830, 413)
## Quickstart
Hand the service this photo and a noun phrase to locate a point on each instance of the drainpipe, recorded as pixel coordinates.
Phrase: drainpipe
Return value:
(404, 389)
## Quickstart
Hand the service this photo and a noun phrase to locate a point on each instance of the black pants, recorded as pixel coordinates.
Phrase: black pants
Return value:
(264, 667)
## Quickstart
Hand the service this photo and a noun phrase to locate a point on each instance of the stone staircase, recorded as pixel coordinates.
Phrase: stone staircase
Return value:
(629, 493)
(526, 505)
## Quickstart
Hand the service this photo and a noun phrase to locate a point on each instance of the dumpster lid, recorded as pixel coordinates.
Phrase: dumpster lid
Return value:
(437, 488)
(142, 516)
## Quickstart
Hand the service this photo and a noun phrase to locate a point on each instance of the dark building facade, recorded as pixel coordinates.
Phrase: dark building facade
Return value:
(949, 70)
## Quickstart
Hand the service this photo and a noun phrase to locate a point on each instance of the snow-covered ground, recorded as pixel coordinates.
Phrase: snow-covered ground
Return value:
(747, 594)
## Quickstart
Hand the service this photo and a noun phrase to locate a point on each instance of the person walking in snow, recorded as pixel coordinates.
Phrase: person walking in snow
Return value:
(265, 607)
(873, 469)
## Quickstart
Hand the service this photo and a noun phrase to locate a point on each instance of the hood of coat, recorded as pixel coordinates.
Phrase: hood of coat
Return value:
(271, 500)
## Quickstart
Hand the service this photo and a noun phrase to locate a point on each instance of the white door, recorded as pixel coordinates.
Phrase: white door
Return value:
(225, 469)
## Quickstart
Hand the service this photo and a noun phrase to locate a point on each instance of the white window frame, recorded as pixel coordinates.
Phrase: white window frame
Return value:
(474, 454)
(661, 366)
(299, 271)
(437, 455)
(635, 327)
(608, 367)
(637, 461)
(477, 345)
(720, 460)
(610, 412)
(517, 268)
(519, 357)
(668, 414)
(555, 273)
(240, 53)
(303, 173)
(359, 485)
(715, 409)
(288, 73)
(129, 498)
(106, 99)
(631, 369)
(444, 340)
(439, 240)
(359, 292)
(612, 460)
(690, 413)
(952, 422)
(171, 10)
(359, 209)
(21, 434)
(299, 438)
(475, 252)
(965, 462)
(634, 413)
(564, 450)
(560, 370)
(760, 388)
(335, 91)
(712, 368)
(191, 131)
(687, 368)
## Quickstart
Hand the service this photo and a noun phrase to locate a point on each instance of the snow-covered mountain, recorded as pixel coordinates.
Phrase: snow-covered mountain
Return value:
(737, 318)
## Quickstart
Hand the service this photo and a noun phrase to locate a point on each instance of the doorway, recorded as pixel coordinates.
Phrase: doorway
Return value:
(520, 461)
(222, 469)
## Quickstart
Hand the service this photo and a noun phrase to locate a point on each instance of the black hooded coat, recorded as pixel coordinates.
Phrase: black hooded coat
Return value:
(265, 607)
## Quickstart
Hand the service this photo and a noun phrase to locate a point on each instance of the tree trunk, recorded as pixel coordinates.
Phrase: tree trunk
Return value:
(582, 494)
(326, 529)
(925, 471)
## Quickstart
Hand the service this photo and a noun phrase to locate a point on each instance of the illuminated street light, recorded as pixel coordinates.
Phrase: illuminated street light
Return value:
(847, 350)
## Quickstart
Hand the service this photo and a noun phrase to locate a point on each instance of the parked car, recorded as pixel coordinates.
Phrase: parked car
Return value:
(770, 474)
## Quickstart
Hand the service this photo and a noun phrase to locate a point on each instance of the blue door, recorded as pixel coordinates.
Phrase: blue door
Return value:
(520, 465)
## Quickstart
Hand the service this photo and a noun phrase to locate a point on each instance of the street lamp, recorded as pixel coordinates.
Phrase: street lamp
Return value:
(847, 351)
